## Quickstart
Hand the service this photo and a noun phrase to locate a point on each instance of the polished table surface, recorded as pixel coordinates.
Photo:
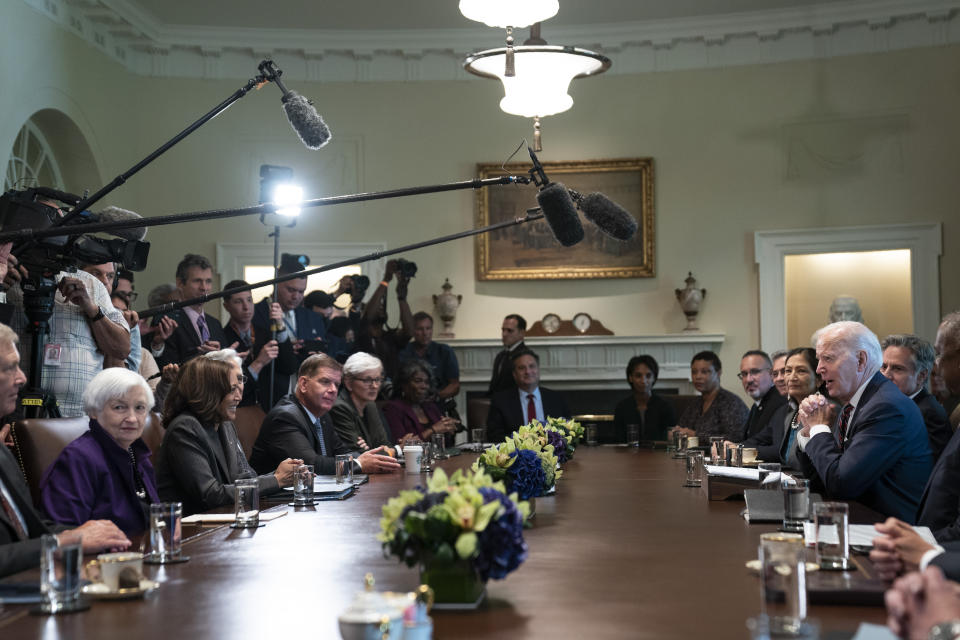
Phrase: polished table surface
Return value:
(621, 551)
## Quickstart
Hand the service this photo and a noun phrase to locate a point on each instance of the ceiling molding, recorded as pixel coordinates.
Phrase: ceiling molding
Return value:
(123, 32)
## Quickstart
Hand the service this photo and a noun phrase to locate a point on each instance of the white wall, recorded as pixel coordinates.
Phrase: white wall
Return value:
(847, 141)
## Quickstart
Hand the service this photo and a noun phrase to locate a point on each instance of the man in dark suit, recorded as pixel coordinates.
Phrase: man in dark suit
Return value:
(300, 333)
(239, 330)
(20, 524)
(197, 332)
(907, 362)
(512, 408)
(879, 454)
(298, 426)
(757, 379)
(511, 334)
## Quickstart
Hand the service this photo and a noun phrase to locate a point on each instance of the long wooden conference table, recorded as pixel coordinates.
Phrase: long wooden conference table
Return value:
(621, 551)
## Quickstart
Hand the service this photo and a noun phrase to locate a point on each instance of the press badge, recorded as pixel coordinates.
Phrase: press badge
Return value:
(51, 355)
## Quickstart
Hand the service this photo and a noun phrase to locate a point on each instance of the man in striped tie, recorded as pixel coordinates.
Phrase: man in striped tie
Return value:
(878, 453)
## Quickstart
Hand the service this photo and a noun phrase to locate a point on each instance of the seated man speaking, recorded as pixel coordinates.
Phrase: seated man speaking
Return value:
(879, 454)
(513, 408)
(298, 426)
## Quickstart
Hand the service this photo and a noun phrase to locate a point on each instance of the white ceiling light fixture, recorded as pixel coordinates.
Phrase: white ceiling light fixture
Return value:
(543, 75)
(509, 15)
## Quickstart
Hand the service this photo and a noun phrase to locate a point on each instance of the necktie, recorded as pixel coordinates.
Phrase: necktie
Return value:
(19, 526)
(202, 327)
(531, 408)
(748, 425)
(844, 420)
(323, 445)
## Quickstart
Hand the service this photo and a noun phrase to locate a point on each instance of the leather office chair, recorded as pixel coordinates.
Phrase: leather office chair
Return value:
(248, 422)
(153, 433)
(38, 442)
(477, 410)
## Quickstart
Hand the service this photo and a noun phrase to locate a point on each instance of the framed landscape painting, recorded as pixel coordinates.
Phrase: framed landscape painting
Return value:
(529, 251)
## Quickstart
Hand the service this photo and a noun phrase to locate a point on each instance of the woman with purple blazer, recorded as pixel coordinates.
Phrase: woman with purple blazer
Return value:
(106, 473)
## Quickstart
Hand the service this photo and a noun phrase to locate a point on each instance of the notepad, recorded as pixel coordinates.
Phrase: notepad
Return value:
(218, 518)
(860, 534)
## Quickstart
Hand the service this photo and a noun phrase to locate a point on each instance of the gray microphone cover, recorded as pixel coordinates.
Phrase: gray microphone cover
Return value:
(116, 214)
(610, 218)
(561, 214)
(305, 120)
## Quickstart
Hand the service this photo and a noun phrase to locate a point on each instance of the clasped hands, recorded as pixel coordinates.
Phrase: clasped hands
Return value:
(815, 409)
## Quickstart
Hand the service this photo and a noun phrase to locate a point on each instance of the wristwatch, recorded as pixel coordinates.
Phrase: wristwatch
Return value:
(949, 630)
(99, 315)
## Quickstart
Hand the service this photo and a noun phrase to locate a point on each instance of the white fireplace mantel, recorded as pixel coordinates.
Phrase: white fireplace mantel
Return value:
(588, 362)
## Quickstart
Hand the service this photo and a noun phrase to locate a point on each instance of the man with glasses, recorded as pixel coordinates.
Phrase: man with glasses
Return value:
(107, 274)
(757, 379)
(298, 426)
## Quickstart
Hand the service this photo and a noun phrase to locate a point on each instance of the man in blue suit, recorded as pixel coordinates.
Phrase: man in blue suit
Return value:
(878, 454)
(301, 332)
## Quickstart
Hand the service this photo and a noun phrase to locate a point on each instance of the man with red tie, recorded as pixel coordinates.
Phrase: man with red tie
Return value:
(512, 408)
(878, 453)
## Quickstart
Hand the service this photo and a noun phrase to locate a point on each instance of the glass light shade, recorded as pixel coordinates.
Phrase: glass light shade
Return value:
(543, 75)
(509, 13)
(288, 194)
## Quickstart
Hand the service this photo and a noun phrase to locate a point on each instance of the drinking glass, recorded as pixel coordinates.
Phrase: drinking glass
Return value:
(796, 504)
(344, 468)
(590, 432)
(303, 486)
(783, 578)
(60, 574)
(769, 475)
(716, 450)
(735, 456)
(680, 445)
(694, 469)
(439, 442)
(429, 457)
(478, 435)
(832, 523)
(165, 533)
(246, 504)
(633, 435)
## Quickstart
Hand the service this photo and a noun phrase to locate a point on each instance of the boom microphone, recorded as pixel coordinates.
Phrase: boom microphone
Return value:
(610, 218)
(305, 120)
(557, 205)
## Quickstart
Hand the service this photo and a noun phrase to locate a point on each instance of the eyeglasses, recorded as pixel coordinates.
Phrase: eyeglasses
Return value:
(752, 372)
(129, 296)
(371, 382)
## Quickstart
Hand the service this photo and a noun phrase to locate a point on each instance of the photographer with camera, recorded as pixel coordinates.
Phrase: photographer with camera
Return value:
(373, 334)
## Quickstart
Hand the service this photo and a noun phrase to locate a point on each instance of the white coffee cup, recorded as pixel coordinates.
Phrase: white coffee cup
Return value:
(749, 455)
(111, 565)
(413, 455)
(693, 441)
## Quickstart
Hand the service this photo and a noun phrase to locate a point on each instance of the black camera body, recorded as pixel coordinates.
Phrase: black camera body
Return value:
(407, 268)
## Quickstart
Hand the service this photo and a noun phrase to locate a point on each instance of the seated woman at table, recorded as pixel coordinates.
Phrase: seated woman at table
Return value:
(643, 407)
(201, 455)
(717, 412)
(106, 473)
(410, 415)
(777, 441)
(356, 417)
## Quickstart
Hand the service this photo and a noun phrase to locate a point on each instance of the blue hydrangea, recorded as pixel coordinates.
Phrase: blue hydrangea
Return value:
(527, 477)
(500, 547)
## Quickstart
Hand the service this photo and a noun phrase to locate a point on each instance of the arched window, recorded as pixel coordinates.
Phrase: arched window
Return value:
(32, 161)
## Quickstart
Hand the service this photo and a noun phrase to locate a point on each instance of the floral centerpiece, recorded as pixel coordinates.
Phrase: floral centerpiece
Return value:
(573, 430)
(525, 461)
(461, 530)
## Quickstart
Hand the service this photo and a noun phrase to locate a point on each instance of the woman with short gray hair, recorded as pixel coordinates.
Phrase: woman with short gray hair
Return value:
(106, 473)
(356, 417)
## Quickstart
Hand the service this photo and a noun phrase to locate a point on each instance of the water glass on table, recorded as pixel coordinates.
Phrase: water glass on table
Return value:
(590, 433)
(796, 503)
(60, 575)
(717, 452)
(343, 468)
(165, 533)
(633, 435)
(679, 445)
(303, 485)
(783, 584)
(478, 435)
(246, 504)
(694, 469)
(769, 475)
(832, 524)
(439, 442)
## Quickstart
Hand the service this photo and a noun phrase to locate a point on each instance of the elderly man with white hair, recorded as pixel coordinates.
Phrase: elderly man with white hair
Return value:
(356, 418)
(878, 453)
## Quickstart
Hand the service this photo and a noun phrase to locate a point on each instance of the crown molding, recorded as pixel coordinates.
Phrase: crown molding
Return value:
(123, 32)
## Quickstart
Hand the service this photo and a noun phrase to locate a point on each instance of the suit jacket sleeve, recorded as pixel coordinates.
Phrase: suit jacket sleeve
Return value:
(345, 424)
(67, 488)
(875, 448)
(285, 437)
(949, 562)
(16, 555)
(396, 420)
(935, 419)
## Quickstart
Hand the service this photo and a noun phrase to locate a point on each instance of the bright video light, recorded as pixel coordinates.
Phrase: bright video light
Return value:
(287, 194)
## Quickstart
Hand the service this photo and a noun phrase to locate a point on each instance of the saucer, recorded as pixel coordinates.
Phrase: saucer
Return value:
(754, 566)
(100, 591)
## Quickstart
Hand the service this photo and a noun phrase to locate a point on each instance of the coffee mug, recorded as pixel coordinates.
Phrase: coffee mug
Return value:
(749, 455)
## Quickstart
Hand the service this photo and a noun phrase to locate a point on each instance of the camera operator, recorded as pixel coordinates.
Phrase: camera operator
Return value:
(107, 274)
(373, 334)
(85, 329)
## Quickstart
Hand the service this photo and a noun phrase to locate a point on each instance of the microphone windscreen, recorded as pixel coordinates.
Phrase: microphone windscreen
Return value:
(561, 214)
(305, 120)
(611, 218)
(116, 214)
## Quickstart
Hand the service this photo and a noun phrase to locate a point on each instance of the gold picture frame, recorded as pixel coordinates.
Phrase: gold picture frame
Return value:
(530, 252)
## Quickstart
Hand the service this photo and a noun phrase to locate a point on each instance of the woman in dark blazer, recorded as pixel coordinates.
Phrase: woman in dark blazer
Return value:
(643, 407)
(356, 418)
(106, 473)
(201, 456)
